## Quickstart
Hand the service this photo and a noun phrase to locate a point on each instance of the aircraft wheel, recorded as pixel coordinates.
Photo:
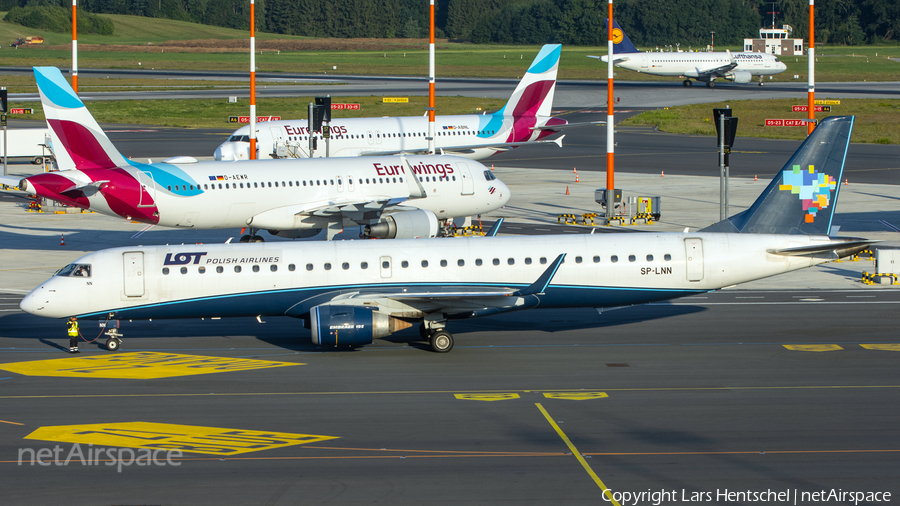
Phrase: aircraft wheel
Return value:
(711, 84)
(244, 238)
(113, 344)
(424, 333)
(442, 341)
(257, 238)
(687, 82)
(760, 83)
(37, 160)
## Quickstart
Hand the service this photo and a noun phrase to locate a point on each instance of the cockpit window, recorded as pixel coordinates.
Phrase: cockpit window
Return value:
(239, 138)
(776, 59)
(76, 270)
(489, 176)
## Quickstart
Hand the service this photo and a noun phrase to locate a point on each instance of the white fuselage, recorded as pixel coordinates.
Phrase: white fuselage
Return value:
(694, 64)
(281, 194)
(223, 280)
(355, 136)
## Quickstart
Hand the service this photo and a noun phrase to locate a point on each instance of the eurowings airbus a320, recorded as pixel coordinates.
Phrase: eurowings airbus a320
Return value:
(389, 196)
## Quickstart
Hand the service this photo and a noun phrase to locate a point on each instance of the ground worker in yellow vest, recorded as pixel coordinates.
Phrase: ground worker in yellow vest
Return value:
(72, 326)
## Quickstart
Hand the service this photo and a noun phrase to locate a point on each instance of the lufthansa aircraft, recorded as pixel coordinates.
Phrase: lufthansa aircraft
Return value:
(525, 119)
(350, 292)
(703, 67)
(391, 197)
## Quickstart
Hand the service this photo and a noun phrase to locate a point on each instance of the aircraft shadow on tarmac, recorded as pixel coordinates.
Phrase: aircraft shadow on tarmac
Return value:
(867, 221)
(288, 333)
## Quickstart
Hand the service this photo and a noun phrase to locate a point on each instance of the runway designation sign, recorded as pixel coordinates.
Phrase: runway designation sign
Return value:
(138, 365)
(165, 436)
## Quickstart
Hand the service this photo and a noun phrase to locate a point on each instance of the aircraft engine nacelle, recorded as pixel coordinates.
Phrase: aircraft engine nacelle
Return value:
(339, 325)
(739, 76)
(405, 225)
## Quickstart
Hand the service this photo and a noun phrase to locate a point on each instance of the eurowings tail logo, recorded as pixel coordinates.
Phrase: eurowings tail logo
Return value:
(814, 189)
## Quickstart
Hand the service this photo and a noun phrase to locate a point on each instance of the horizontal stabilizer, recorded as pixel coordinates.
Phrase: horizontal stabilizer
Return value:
(832, 250)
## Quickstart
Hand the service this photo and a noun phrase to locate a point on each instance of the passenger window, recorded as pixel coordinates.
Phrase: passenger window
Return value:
(496, 261)
(443, 263)
(220, 269)
(461, 262)
(327, 266)
(385, 265)
(527, 260)
(631, 258)
(201, 269)
(511, 261)
(404, 264)
(237, 268)
(165, 271)
(543, 260)
(478, 262)
(184, 270)
(614, 259)
(649, 258)
(596, 259)
(424, 263)
(364, 265)
(273, 267)
(345, 266)
(309, 267)
(578, 259)
(667, 257)
(255, 268)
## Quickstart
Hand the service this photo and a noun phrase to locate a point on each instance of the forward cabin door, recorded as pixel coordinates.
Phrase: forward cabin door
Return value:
(134, 273)
(468, 185)
(693, 257)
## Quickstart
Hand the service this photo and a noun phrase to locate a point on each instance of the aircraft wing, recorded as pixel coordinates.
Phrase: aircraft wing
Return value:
(464, 149)
(719, 70)
(10, 181)
(568, 125)
(358, 210)
(616, 61)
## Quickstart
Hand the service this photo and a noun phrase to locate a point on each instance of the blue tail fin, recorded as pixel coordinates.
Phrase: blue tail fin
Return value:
(621, 44)
(802, 197)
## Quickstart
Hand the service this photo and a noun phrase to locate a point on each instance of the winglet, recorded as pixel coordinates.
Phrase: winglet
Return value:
(538, 287)
(558, 141)
(492, 232)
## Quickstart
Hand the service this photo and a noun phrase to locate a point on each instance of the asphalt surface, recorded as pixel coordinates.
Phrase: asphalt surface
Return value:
(674, 397)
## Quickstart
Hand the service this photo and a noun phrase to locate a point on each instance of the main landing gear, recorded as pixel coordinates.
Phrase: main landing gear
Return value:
(252, 237)
(440, 340)
(760, 80)
(710, 84)
(688, 82)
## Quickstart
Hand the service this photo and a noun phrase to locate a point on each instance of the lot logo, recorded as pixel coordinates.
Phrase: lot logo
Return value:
(814, 189)
(183, 258)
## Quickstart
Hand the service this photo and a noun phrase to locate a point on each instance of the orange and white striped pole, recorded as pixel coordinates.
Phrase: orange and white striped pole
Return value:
(610, 124)
(811, 52)
(253, 81)
(431, 133)
(74, 46)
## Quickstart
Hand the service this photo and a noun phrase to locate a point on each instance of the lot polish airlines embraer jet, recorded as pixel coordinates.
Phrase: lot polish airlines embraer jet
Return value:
(703, 67)
(350, 292)
(525, 119)
(392, 197)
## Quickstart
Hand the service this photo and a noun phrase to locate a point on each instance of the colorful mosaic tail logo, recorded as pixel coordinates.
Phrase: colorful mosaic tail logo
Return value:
(814, 189)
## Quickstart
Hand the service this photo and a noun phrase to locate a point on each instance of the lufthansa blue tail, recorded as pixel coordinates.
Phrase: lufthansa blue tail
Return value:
(621, 43)
(802, 197)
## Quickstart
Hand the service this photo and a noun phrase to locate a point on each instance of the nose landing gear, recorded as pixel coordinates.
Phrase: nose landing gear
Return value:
(115, 339)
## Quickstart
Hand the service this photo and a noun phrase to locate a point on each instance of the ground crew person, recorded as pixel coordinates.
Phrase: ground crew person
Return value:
(72, 326)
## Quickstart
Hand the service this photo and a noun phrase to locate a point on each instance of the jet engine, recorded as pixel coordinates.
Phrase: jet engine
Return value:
(739, 76)
(351, 325)
(405, 225)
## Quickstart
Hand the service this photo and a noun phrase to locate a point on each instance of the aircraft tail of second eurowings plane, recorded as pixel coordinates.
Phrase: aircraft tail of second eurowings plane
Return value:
(78, 141)
(802, 197)
(621, 43)
(534, 94)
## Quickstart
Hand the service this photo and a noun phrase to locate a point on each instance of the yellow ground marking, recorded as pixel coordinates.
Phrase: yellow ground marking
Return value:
(606, 491)
(882, 347)
(12, 423)
(487, 397)
(164, 436)
(138, 365)
(735, 388)
(575, 396)
(813, 347)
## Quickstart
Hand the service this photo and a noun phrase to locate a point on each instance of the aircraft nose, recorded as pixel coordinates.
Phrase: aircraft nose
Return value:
(32, 303)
